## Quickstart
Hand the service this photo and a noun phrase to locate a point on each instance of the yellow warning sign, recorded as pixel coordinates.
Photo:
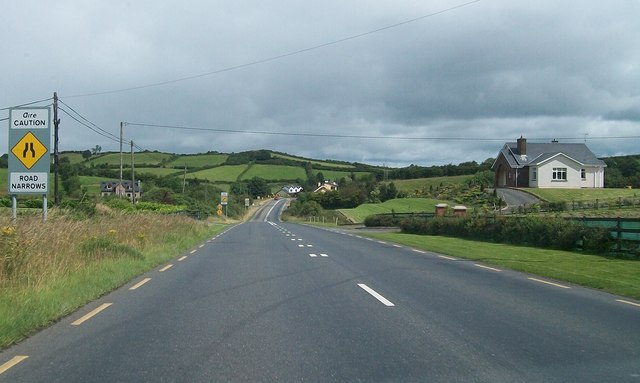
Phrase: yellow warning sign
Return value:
(29, 150)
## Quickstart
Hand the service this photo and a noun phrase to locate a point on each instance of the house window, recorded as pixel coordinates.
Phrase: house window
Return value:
(583, 174)
(559, 174)
(534, 175)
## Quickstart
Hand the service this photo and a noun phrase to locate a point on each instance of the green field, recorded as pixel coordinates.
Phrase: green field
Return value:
(336, 175)
(410, 186)
(227, 173)
(275, 172)
(568, 195)
(74, 158)
(160, 172)
(320, 163)
(149, 158)
(401, 205)
(198, 160)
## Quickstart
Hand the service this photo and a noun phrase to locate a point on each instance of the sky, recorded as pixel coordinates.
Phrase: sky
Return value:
(379, 82)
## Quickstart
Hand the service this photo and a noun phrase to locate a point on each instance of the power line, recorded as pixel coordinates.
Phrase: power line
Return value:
(89, 127)
(277, 57)
(369, 137)
(89, 122)
(28, 103)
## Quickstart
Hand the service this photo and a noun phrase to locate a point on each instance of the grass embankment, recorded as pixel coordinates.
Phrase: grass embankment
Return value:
(569, 195)
(616, 276)
(48, 270)
(400, 205)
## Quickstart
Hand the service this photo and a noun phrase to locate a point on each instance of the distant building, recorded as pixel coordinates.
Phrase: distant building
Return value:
(547, 165)
(292, 190)
(326, 186)
(109, 188)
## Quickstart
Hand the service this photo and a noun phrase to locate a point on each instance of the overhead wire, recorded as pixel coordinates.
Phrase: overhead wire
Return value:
(277, 57)
(88, 126)
(27, 104)
(372, 137)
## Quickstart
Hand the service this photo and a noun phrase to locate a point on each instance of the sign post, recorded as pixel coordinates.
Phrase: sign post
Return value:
(224, 200)
(29, 160)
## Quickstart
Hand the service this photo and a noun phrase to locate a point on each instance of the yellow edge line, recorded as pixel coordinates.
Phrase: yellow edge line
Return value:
(182, 258)
(486, 267)
(193, 251)
(167, 267)
(15, 360)
(549, 283)
(91, 314)
(628, 303)
(142, 282)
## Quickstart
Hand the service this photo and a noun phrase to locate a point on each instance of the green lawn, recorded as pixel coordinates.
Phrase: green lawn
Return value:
(227, 173)
(401, 205)
(275, 172)
(198, 160)
(616, 276)
(410, 186)
(568, 195)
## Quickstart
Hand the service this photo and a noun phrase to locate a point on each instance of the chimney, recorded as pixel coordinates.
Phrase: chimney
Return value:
(522, 146)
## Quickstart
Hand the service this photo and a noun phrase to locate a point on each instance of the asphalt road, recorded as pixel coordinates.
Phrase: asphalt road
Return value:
(514, 197)
(268, 301)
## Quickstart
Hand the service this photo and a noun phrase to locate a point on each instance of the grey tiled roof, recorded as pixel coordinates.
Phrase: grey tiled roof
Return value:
(538, 153)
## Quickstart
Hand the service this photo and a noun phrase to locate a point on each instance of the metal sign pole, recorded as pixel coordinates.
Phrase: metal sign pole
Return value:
(14, 208)
(44, 208)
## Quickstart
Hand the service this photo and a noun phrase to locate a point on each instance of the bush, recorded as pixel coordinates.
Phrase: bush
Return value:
(555, 233)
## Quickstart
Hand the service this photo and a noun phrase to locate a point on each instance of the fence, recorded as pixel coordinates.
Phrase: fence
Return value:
(626, 231)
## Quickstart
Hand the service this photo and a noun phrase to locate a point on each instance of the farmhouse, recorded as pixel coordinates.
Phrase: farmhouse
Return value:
(547, 165)
(108, 188)
(326, 186)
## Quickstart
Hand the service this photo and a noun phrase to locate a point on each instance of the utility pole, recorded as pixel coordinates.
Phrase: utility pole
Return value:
(121, 186)
(56, 162)
(133, 177)
(184, 178)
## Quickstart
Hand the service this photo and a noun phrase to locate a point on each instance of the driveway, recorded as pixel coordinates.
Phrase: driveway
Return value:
(515, 198)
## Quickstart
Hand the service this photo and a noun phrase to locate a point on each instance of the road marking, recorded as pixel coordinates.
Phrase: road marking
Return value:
(299, 239)
(379, 297)
(313, 255)
(309, 245)
(193, 251)
(445, 257)
(549, 283)
(323, 255)
(201, 246)
(382, 242)
(398, 246)
(300, 245)
(293, 239)
(486, 267)
(419, 251)
(167, 267)
(627, 302)
(139, 284)
(182, 258)
(91, 314)
(15, 360)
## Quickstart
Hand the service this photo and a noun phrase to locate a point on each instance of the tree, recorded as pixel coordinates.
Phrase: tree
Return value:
(86, 154)
(257, 187)
(96, 150)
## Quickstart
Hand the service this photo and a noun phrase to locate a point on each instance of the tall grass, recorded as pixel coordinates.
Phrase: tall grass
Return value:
(47, 270)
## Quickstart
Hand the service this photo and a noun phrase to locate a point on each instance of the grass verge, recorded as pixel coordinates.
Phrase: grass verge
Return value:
(50, 270)
(616, 276)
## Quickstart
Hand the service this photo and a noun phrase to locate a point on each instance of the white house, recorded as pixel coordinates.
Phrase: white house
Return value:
(547, 165)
